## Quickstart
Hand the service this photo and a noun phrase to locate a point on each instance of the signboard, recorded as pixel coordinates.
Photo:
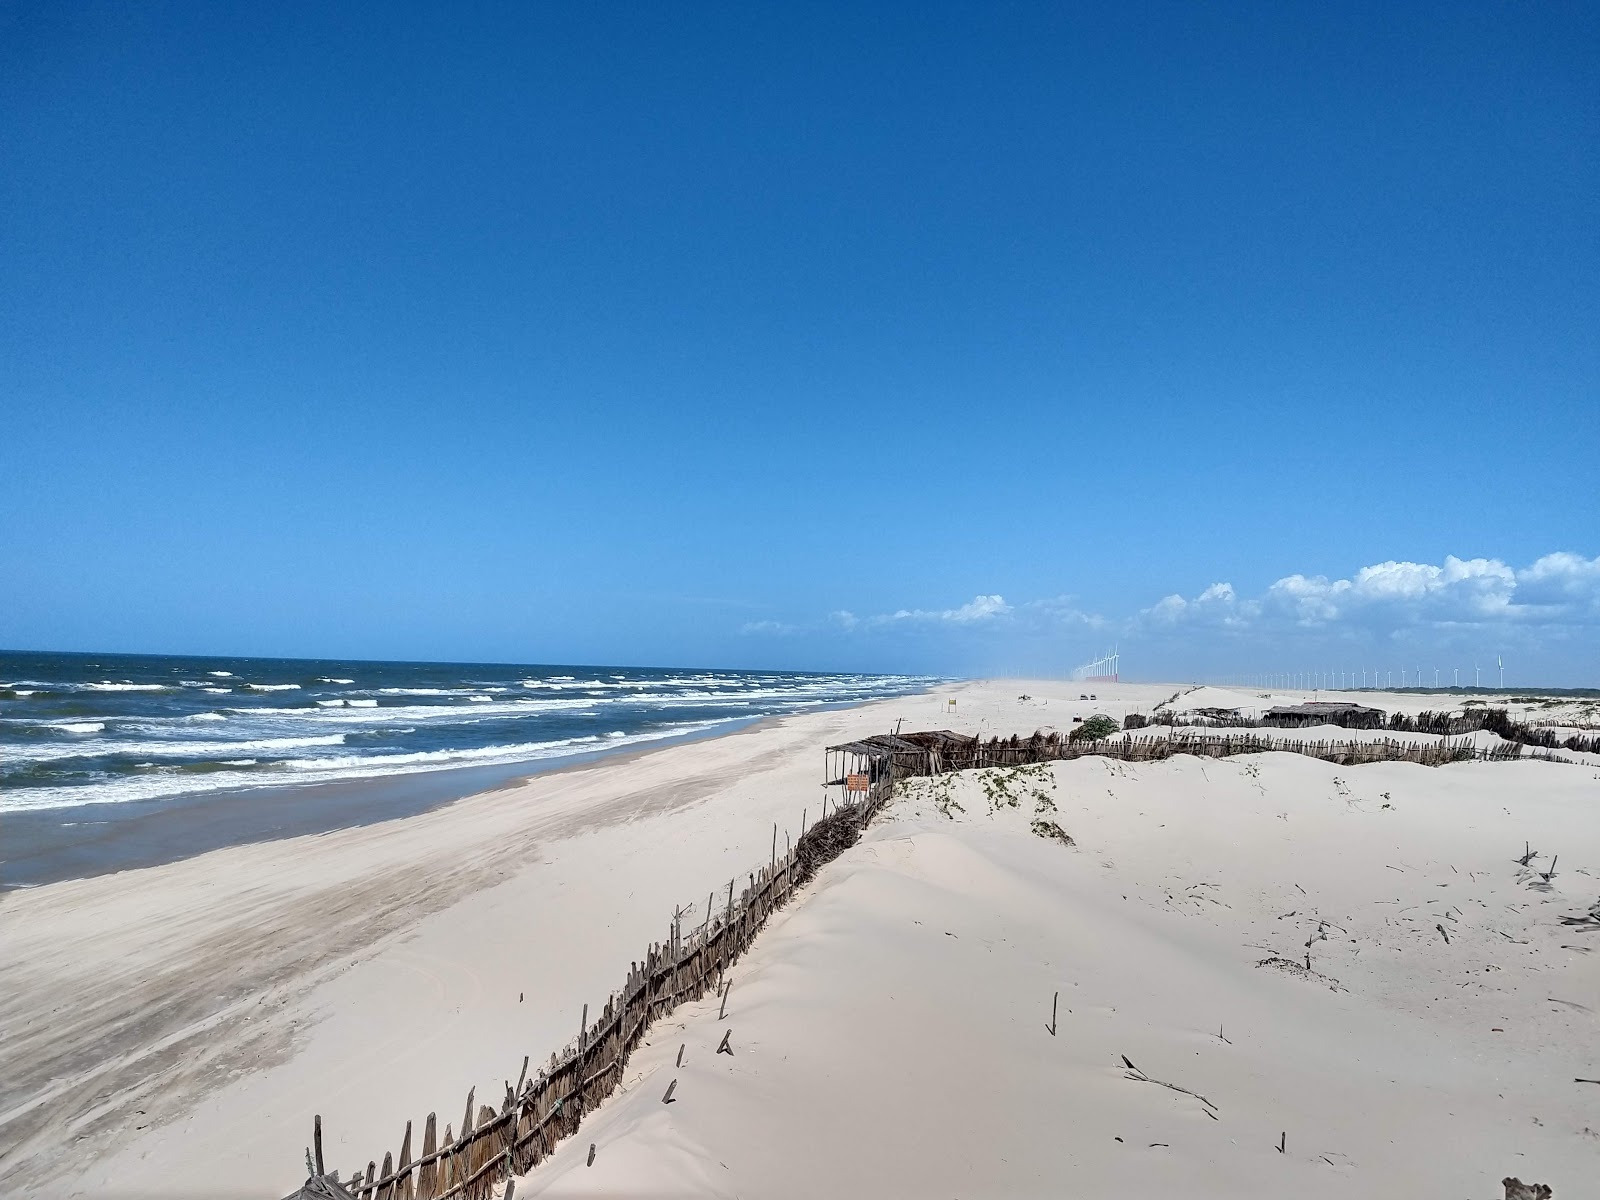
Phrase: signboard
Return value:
(855, 783)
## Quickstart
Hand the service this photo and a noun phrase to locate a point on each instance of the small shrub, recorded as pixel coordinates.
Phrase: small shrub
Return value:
(1050, 831)
(1096, 729)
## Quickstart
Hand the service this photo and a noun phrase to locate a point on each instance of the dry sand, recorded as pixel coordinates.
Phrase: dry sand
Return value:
(889, 1028)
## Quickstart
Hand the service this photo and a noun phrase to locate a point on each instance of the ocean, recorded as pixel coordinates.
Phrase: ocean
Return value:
(88, 740)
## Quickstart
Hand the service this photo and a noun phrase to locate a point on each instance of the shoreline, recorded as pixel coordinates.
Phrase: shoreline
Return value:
(292, 976)
(48, 846)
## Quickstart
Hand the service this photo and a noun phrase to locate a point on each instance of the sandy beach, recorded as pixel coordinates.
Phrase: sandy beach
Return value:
(171, 1031)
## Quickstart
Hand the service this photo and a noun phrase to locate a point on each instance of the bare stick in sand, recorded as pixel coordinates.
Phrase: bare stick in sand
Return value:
(679, 1063)
(1283, 1140)
(671, 1087)
(1219, 1033)
(590, 1163)
(724, 1048)
(1443, 934)
(316, 1141)
(722, 1009)
(1139, 1076)
(1551, 873)
(1528, 855)
(1053, 1002)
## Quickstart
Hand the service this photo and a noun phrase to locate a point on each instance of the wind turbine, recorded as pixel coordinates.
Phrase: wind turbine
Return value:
(1501, 663)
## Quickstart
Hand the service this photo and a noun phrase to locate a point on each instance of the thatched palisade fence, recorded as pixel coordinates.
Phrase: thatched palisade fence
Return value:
(496, 1143)
(1492, 720)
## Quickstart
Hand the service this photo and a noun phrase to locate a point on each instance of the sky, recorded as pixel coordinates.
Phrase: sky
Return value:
(960, 338)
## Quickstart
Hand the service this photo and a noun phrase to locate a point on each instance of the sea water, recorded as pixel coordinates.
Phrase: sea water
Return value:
(105, 730)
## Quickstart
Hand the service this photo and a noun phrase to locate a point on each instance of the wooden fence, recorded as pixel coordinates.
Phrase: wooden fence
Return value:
(1019, 751)
(495, 1143)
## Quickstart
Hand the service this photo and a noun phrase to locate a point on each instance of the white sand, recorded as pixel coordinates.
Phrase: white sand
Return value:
(889, 1028)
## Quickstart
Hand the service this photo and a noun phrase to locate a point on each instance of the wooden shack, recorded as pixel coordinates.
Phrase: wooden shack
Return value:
(1346, 716)
(925, 753)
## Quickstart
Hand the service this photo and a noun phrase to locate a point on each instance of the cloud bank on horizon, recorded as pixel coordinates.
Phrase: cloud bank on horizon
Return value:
(1547, 614)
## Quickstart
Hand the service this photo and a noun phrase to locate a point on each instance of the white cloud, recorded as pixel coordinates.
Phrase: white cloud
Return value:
(979, 608)
(768, 628)
(1558, 589)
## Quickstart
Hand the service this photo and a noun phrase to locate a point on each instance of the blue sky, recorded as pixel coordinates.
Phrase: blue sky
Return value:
(924, 336)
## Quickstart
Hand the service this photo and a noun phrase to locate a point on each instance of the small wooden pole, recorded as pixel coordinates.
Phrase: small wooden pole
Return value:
(671, 1087)
(1052, 1026)
(679, 1063)
(722, 1046)
(722, 1009)
(316, 1142)
(591, 1155)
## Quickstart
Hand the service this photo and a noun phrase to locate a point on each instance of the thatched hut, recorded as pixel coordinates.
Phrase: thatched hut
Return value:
(1346, 716)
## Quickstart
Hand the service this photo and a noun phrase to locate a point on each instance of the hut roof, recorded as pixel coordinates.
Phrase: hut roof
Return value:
(902, 743)
(1320, 708)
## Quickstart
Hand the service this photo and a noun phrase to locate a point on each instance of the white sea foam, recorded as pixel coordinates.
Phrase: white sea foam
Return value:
(481, 699)
(79, 726)
(218, 691)
(159, 783)
(221, 674)
(273, 687)
(107, 686)
(154, 748)
(208, 716)
(337, 704)
(330, 679)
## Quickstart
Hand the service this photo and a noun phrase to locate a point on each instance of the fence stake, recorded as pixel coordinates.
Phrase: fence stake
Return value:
(316, 1142)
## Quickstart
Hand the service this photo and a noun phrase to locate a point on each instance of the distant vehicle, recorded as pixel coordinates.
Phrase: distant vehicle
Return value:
(1083, 695)
(1092, 696)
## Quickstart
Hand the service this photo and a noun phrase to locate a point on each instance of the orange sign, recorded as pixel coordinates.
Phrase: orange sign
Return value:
(855, 783)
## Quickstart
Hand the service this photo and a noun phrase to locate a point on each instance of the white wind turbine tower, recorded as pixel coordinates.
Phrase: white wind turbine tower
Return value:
(1501, 663)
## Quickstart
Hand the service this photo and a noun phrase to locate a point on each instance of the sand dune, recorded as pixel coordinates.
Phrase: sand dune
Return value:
(890, 1029)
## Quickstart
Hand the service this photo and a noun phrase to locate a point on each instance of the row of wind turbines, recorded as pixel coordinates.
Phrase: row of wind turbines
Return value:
(1346, 680)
